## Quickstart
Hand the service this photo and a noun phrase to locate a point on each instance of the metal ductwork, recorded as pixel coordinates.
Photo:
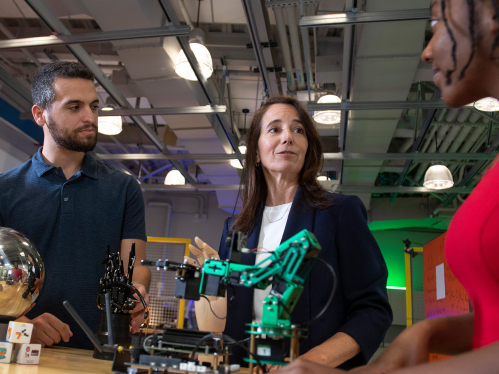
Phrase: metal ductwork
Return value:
(283, 40)
(295, 44)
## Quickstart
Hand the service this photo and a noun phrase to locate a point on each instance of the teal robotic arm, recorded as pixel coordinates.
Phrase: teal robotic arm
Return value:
(286, 269)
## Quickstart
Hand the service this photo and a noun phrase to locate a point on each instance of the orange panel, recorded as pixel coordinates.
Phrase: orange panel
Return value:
(456, 300)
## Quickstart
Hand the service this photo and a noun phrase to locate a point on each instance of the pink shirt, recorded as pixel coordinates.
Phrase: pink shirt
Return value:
(472, 251)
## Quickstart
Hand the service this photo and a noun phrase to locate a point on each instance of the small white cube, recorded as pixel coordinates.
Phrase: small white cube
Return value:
(6, 352)
(28, 354)
(19, 332)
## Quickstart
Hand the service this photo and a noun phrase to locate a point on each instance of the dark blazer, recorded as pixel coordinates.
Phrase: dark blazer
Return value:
(360, 306)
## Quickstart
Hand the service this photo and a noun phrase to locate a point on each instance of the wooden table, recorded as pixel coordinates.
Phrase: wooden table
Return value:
(58, 360)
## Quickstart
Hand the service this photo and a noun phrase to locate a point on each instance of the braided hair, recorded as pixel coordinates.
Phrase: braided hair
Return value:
(496, 41)
(471, 8)
(454, 44)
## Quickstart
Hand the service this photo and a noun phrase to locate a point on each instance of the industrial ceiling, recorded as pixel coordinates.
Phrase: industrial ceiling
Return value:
(367, 52)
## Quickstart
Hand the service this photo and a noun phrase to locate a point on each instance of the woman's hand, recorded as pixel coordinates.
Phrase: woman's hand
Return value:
(207, 309)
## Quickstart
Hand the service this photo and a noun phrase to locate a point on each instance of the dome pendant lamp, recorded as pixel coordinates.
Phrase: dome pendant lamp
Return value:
(438, 176)
(182, 66)
(328, 117)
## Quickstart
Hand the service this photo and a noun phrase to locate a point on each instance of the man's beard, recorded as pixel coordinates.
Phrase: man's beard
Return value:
(70, 140)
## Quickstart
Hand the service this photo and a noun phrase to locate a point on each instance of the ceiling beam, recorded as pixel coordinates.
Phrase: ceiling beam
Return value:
(355, 18)
(206, 109)
(229, 140)
(79, 52)
(329, 185)
(94, 37)
(375, 105)
(327, 156)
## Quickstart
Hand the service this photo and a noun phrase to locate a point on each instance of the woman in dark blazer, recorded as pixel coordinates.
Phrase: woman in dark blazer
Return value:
(283, 158)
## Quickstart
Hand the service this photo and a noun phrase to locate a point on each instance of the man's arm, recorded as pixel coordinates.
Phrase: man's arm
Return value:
(141, 278)
(141, 273)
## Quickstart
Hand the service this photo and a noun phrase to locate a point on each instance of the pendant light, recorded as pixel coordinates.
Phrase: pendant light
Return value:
(110, 125)
(438, 176)
(328, 117)
(203, 56)
(242, 139)
(487, 104)
(174, 177)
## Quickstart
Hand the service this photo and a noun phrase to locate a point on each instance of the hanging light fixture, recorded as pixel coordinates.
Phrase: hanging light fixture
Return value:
(328, 117)
(111, 125)
(438, 176)
(487, 104)
(236, 164)
(242, 139)
(174, 177)
(182, 66)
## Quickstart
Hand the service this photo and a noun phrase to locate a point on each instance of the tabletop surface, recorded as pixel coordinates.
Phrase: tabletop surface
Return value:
(61, 360)
(58, 360)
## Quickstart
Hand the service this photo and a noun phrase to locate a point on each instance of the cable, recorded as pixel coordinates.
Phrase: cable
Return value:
(240, 344)
(196, 347)
(321, 313)
(209, 303)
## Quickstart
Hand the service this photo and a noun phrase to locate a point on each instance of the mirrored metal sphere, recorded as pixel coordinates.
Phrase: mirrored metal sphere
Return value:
(21, 274)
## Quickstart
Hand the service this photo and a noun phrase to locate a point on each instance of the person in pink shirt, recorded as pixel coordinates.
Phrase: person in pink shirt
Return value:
(17, 274)
(464, 53)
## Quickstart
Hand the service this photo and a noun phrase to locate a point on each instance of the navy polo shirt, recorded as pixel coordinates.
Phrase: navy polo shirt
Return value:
(71, 222)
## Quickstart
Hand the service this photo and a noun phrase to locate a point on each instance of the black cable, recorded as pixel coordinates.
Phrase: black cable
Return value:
(335, 280)
(209, 303)
(240, 344)
(196, 347)
(199, 7)
(134, 291)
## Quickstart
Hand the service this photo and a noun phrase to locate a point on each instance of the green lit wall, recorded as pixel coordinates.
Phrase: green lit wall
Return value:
(392, 248)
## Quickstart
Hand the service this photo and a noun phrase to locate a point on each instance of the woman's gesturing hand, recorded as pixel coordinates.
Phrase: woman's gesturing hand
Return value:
(204, 252)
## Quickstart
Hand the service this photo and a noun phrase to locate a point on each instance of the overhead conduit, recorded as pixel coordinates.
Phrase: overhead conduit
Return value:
(283, 40)
(295, 44)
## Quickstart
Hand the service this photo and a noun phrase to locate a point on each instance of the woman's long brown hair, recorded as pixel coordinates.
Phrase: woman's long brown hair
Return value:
(253, 188)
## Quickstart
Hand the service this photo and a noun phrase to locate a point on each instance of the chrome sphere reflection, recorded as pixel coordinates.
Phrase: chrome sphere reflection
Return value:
(21, 274)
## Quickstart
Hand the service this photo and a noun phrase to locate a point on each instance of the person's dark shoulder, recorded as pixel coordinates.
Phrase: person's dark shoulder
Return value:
(19, 173)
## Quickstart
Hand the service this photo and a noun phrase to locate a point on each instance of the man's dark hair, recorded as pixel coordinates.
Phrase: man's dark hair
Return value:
(42, 87)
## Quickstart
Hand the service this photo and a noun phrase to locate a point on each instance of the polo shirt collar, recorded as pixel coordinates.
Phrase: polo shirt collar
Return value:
(40, 166)
(89, 166)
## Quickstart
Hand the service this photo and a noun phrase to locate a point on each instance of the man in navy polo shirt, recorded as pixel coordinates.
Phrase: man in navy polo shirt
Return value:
(72, 207)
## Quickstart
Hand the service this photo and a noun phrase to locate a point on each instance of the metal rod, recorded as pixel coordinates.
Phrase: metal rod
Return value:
(83, 325)
(353, 18)
(95, 37)
(329, 186)
(110, 333)
(377, 105)
(257, 47)
(327, 156)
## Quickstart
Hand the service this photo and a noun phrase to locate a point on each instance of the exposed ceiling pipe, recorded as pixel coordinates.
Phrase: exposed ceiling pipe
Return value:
(283, 40)
(28, 54)
(468, 144)
(446, 143)
(439, 116)
(295, 44)
(187, 19)
(465, 130)
(463, 115)
(451, 115)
